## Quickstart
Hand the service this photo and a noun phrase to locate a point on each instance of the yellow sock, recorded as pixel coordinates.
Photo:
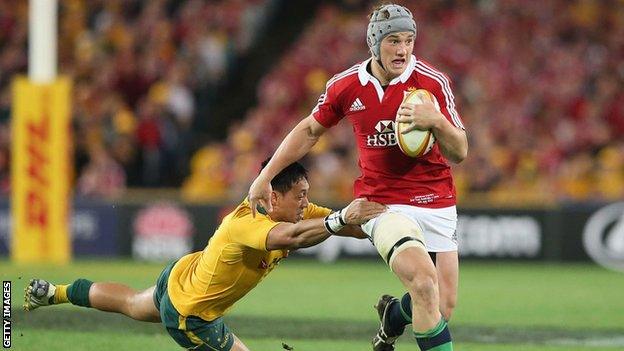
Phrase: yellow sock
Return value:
(60, 295)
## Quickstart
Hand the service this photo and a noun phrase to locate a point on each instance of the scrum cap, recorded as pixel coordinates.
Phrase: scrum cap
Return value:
(386, 20)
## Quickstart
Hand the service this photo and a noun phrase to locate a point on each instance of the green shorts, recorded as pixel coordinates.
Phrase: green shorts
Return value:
(190, 332)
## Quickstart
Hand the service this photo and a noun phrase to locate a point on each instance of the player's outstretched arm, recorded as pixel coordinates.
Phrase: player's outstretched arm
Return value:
(310, 232)
(296, 145)
(352, 231)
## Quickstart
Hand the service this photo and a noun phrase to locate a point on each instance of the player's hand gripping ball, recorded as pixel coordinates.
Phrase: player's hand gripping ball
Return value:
(415, 143)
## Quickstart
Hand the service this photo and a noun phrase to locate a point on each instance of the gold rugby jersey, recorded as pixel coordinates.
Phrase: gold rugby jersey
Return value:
(207, 283)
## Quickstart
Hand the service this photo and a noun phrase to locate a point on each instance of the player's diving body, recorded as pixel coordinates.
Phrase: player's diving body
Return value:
(192, 295)
(420, 192)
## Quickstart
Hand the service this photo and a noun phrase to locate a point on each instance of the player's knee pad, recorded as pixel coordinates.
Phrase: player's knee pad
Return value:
(393, 233)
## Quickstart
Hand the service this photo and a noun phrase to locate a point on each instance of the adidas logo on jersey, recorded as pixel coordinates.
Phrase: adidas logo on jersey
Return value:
(357, 105)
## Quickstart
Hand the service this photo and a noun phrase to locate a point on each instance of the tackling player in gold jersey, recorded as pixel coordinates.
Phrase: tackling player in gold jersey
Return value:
(192, 294)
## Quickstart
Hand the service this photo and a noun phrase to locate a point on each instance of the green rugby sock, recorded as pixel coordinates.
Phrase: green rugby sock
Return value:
(78, 292)
(436, 339)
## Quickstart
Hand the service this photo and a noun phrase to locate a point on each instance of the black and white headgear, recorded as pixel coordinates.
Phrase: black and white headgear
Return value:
(386, 20)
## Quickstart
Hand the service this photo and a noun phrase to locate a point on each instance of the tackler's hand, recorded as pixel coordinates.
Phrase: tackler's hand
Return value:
(361, 210)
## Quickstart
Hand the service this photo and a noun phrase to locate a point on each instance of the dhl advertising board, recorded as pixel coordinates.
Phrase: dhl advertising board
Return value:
(41, 172)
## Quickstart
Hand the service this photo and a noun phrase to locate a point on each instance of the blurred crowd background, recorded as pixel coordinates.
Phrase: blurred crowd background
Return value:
(539, 84)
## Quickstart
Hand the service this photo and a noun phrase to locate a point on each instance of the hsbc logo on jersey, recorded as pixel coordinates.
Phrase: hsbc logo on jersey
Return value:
(384, 136)
(385, 126)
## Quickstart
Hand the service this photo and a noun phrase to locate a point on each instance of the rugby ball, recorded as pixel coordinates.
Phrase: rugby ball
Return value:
(415, 143)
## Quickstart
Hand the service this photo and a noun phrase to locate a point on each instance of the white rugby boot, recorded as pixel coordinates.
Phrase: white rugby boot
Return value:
(38, 293)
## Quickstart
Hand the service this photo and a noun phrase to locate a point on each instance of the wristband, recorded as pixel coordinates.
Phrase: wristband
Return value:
(335, 221)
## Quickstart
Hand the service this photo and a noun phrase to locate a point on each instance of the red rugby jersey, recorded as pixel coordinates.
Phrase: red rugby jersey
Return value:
(387, 175)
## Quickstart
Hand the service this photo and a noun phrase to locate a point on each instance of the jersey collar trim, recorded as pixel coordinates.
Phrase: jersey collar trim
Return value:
(365, 77)
(363, 74)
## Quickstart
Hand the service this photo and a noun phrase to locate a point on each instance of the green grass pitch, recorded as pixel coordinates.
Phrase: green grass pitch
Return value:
(314, 306)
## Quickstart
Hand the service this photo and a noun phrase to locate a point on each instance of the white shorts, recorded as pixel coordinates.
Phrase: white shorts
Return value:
(438, 225)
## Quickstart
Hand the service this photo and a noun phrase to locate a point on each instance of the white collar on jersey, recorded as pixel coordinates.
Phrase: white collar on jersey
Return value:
(364, 76)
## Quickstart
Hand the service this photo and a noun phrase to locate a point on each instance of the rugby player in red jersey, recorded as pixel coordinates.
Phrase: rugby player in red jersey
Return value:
(416, 237)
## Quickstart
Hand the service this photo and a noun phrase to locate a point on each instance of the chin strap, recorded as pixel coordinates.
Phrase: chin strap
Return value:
(381, 64)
